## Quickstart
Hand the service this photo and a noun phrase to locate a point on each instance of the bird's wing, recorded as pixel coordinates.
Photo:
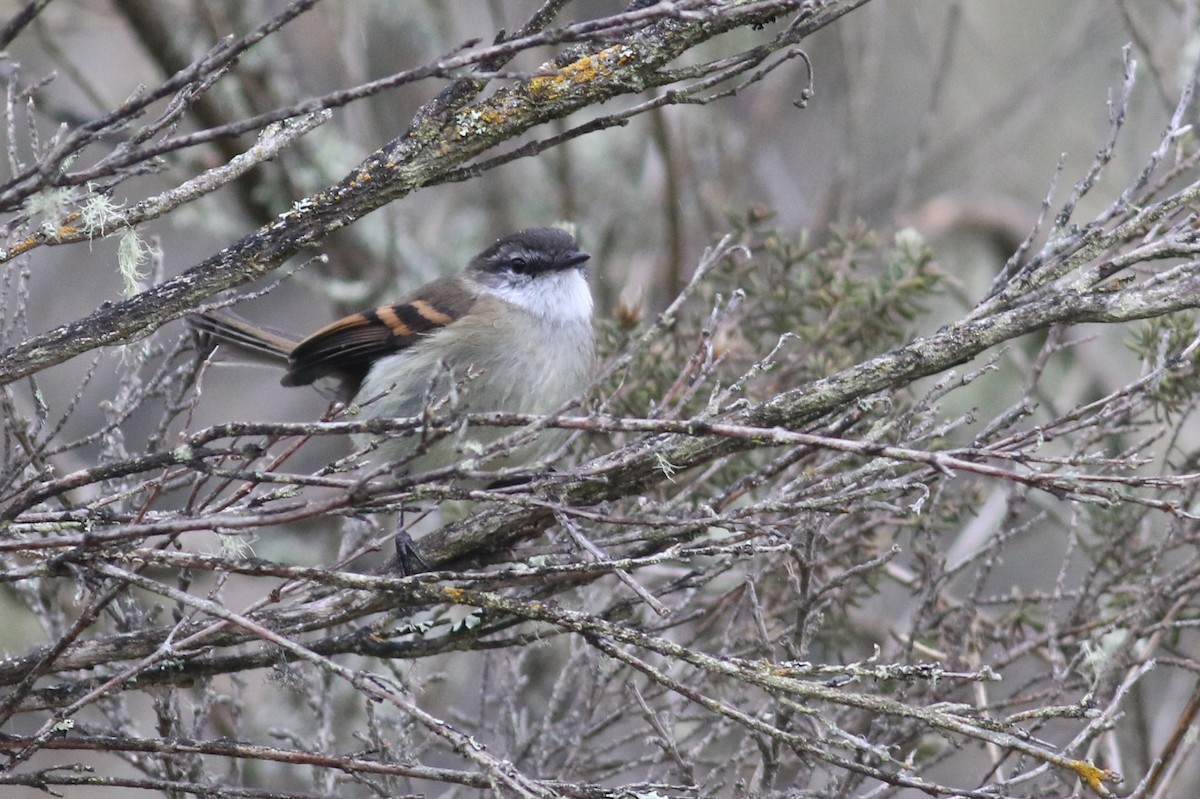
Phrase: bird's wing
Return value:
(347, 348)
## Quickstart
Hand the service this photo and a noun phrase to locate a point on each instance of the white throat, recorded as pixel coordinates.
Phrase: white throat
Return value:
(561, 296)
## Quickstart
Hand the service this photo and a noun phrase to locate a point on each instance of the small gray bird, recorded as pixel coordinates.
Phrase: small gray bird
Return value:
(514, 329)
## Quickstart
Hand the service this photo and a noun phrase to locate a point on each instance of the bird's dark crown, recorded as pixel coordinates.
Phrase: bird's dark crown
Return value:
(531, 252)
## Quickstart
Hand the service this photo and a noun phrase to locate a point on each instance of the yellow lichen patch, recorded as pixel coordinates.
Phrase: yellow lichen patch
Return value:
(491, 116)
(479, 120)
(545, 86)
(1093, 776)
(22, 246)
(360, 178)
(486, 117)
(582, 70)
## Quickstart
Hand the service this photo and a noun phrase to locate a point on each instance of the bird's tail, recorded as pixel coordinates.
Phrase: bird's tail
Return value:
(229, 328)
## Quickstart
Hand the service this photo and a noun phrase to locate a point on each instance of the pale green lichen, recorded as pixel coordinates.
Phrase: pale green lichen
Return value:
(236, 546)
(98, 214)
(665, 466)
(52, 205)
(132, 256)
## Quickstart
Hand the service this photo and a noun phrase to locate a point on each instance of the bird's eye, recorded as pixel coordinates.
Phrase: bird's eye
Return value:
(519, 264)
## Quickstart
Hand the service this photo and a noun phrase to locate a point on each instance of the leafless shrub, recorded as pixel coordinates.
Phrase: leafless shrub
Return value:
(787, 551)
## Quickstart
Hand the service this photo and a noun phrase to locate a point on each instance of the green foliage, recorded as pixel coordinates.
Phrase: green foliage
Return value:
(1163, 340)
(824, 306)
(846, 299)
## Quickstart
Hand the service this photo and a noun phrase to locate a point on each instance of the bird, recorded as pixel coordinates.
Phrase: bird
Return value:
(511, 332)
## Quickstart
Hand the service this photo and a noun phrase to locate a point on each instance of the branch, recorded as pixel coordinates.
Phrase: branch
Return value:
(638, 467)
(440, 140)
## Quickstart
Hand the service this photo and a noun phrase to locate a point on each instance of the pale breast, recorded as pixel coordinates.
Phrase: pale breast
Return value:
(517, 362)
